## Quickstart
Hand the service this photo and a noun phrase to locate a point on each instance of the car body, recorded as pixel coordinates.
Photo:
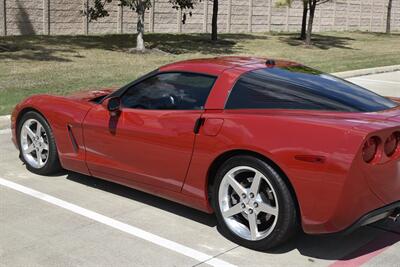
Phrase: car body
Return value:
(176, 153)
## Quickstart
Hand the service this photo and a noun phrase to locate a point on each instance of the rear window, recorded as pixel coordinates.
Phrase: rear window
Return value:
(300, 87)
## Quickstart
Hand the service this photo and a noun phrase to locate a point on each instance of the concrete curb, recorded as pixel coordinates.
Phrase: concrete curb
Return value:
(363, 72)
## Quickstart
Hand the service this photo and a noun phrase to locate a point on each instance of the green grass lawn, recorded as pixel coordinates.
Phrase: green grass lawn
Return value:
(62, 64)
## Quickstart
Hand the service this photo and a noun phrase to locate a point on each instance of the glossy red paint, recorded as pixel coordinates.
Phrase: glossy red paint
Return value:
(152, 147)
(158, 152)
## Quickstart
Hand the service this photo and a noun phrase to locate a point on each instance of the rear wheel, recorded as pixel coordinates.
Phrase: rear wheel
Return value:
(253, 204)
(37, 145)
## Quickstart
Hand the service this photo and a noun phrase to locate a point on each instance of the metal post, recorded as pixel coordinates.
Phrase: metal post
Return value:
(287, 18)
(383, 17)
(151, 16)
(269, 15)
(319, 19)
(179, 20)
(359, 19)
(228, 18)
(205, 16)
(3, 14)
(250, 25)
(120, 24)
(46, 17)
(334, 15)
(347, 14)
(370, 15)
(86, 17)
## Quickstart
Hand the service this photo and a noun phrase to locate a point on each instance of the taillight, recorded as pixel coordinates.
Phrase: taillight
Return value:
(370, 149)
(392, 144)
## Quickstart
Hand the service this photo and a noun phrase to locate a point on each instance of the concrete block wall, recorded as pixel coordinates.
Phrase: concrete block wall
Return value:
(24, 17)
(236, 16)
(65, 16)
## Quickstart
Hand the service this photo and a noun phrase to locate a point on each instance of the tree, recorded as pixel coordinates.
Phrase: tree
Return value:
(309, 6)
(312, 5)
(214, 22)
(304, 20)
(99, 10)
(389, 16)
(304, 17)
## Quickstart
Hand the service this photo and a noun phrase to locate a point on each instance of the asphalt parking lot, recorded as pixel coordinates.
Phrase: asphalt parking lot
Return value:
(72, 219)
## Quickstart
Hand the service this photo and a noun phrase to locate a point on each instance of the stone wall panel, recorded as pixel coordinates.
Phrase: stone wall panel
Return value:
(26, 17)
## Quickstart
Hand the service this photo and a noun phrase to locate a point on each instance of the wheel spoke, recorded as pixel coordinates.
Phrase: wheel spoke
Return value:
(30, 132)
(239, 189)
(39, 157)
(29, 149)
(266, 208)
(255, 185)
(232, 211)
(253, 225)
(45, 146)
(38, 129)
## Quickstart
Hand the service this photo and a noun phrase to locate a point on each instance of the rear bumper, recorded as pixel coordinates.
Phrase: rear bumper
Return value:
(374, 216)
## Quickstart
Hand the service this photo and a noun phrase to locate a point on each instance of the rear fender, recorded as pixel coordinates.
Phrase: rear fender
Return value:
(318, 185)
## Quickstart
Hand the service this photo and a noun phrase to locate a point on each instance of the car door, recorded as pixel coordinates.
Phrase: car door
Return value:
(151, 140)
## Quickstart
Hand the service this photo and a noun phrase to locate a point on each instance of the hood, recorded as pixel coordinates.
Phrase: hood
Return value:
(88, 95)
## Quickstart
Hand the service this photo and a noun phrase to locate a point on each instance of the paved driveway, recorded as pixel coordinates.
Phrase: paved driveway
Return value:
(387, 84)
(72, 219)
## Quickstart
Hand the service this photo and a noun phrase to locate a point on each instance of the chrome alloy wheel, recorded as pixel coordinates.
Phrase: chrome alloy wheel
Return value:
(248, 203)
(34, 143)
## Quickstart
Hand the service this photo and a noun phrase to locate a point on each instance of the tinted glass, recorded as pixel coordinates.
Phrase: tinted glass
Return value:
(170, 91)
(299, 87)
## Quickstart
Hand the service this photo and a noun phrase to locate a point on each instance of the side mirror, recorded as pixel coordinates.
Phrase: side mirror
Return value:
(114, 105)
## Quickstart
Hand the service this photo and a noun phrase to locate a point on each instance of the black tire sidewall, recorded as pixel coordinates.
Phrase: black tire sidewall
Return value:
(287, 220)
(53, 164)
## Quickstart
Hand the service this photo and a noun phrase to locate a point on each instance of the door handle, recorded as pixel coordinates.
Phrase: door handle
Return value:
(197, 125)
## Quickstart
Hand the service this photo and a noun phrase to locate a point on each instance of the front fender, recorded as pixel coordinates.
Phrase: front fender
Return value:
(65, 117)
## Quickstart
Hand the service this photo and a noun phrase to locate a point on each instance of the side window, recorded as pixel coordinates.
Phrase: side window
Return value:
(177, 90)
(253, 91)
(299, 87)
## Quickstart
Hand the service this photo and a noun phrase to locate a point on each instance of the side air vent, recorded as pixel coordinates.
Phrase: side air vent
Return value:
(72, 138)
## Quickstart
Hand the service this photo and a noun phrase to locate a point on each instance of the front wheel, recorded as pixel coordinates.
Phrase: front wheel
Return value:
(37, 144)
(253, 204)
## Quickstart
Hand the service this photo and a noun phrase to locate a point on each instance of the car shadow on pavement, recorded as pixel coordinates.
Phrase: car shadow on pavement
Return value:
(361, 242)
(145, 198)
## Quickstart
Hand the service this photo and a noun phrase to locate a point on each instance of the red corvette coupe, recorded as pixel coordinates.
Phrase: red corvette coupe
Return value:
(267, 145)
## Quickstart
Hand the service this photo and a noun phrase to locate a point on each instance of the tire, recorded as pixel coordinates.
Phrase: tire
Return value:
(273, 196)
(45, 144)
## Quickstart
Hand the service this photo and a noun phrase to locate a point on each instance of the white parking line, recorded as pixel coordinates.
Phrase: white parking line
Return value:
(160, 241)
(372, 80)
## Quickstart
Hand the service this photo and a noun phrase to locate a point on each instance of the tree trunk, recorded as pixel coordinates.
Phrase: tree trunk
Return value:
(389, 16)
(312, 5)
(140, 29)
(304, 21)
(214, 26)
